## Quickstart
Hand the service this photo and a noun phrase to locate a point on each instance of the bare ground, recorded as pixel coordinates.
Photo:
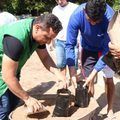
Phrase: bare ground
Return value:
(42, 84)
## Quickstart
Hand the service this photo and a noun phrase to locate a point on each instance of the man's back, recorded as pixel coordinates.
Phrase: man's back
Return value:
(6, 18)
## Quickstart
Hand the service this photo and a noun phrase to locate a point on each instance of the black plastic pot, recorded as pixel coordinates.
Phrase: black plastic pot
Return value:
(62, 103)
(82, 97)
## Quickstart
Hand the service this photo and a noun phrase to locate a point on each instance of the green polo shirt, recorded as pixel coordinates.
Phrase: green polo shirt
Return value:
(22, 31)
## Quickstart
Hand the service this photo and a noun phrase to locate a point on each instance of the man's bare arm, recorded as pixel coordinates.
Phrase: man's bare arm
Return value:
(9, 68)
(50, 65)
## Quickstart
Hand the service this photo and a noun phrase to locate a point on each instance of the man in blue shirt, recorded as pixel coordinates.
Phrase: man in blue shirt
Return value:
(91, 19)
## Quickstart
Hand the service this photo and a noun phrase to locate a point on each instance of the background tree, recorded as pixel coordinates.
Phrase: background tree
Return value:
(116, 5)
(36, 7)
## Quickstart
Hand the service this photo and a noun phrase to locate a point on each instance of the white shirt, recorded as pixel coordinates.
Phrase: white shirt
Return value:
(6, 18)
(64, 13)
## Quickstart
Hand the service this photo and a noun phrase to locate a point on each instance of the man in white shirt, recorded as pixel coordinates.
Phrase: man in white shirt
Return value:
(63, 11)
(6, 18)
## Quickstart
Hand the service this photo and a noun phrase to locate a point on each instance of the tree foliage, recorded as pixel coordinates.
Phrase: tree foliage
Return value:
(35, 7)
(116, 5)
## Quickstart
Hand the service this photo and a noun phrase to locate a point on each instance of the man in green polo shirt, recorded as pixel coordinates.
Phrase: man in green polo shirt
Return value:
(18, 41)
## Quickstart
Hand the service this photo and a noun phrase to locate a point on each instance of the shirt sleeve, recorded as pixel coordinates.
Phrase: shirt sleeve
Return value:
(12, 47)
(100, 63)
(71, 40)
(109, 12)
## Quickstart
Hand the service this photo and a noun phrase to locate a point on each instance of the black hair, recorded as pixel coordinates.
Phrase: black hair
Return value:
(73, 1)
(95, 9)
(48, 20)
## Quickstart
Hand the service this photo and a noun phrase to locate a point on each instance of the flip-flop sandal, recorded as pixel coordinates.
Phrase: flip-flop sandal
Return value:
(62, 103)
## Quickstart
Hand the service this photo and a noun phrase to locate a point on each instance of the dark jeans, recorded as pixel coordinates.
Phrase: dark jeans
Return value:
(8, 102)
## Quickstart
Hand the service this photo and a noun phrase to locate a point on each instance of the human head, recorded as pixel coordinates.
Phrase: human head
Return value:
(95, 10)
(45, 28)
(62, 3)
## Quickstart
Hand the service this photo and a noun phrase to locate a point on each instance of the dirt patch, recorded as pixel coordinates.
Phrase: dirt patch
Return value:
(42, 85)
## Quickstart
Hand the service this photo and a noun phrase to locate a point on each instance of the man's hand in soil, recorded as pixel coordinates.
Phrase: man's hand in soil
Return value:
(33, 105)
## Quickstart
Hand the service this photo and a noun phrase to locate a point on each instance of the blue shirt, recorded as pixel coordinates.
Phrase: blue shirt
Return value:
(93, 37)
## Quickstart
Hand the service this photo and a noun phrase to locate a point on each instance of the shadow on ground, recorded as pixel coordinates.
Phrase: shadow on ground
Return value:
(102, 101)
(42, 88)
(101, 104)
